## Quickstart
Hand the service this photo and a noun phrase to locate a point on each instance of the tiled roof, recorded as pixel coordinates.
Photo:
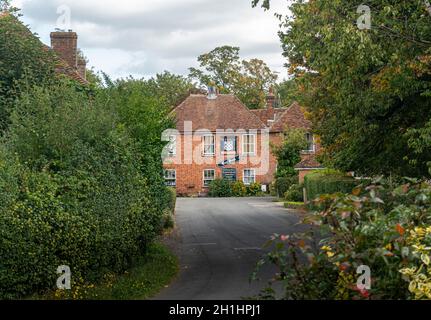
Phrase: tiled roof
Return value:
(310, 163)
(293, 117)
(224, 112)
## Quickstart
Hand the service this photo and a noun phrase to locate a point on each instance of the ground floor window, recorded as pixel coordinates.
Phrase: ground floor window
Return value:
(171, 177)
(209, 176)
(249, 176)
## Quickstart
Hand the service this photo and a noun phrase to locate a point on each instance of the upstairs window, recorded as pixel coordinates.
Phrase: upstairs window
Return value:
(209, 145)
(310, 142)
(229, 144)
(171, 177)
(249, 144)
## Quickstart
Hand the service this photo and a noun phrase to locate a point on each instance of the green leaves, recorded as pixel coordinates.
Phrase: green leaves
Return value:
(223, 68)
(366, 89)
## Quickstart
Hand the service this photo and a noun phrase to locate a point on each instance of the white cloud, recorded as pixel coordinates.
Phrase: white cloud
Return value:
(143, 37)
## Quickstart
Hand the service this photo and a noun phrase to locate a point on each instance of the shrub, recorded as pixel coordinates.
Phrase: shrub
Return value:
(295, 193)
(254, 189)
(382, 226)
(172, 199)
(239, 189)
(220, 188)
(282, 184)
(72, 192)
(320, 183)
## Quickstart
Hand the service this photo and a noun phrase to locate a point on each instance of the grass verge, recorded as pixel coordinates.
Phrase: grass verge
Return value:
(150, 274)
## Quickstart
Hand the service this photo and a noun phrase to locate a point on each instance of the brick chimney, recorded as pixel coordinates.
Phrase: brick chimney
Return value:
(65, 44)
(270, 101)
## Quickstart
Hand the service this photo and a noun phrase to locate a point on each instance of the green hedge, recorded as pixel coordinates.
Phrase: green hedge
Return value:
(222, 188)
(72, 192)
(282, 184)
(319, 183)
(295, 193)
(172, 193)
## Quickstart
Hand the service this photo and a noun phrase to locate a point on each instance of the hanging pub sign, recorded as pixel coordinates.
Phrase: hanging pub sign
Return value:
(229, 174)
(229, 161)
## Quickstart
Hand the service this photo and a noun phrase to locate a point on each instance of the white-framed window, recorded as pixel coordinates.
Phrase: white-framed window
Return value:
(209, 176)
(172, 146)
(311, 147)
(249, 176)
(170, 177)
(208, 145)
(249, 144)
(228, 144)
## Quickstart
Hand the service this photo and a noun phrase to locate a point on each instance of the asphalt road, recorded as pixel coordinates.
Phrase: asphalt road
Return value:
(219, 242)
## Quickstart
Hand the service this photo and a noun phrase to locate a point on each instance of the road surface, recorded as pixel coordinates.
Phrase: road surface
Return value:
(219, 242)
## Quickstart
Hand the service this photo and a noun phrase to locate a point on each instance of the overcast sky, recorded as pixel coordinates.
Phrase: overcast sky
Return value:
(143, 37)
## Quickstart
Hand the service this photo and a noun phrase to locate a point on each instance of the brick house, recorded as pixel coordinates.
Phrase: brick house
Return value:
(217, 136)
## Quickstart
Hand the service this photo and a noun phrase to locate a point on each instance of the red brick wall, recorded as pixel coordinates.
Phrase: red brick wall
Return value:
(65, 44)
(190, 176)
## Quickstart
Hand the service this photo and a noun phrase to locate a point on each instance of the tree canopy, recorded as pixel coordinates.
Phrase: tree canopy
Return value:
(368, 89)
(249, 80)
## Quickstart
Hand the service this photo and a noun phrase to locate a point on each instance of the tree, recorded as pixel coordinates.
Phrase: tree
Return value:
(173, 88)
(22, 58)
(288, 154)
(367, 89)
(223, 68)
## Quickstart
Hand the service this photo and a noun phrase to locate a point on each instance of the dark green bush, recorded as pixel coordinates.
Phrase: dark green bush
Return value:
(72, 192)
(320, 183)
(254, 189)
(295, 193)
(220, 188)
(282, 184)
(172, 193)
(239, 189)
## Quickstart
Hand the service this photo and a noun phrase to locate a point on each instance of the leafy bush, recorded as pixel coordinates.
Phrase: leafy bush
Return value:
(319, 183)
(172, 193)
(239, 189)
(220, 188)
(295, 193)
(254, 189)
(72, 191)
(382, 226)
(282, 184)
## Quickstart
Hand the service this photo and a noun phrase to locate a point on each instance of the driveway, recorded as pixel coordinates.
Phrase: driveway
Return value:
(219, 242)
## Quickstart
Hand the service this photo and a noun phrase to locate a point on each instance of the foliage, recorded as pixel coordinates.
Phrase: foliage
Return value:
(319, 183)
(171, 87)
(288, 154)
(239, 189)
(172, 199)
(282, 184)
(151, 272)
(220, 188)
(295, 193)
(366, 89)
(223, 68)
(383, 226)
(74, 188)
(287, 92)
(254, 189)
(34, 64)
